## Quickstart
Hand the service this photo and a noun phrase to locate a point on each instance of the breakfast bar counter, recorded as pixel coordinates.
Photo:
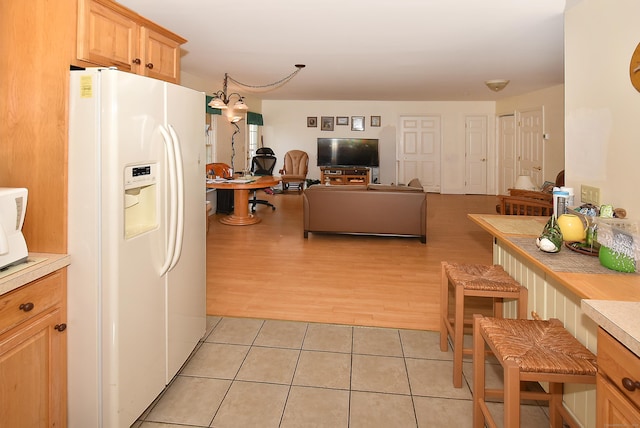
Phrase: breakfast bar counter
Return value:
(567, 285)
(585, 278)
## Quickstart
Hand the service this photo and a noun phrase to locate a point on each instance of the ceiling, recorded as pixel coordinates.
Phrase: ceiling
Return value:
(369, 49)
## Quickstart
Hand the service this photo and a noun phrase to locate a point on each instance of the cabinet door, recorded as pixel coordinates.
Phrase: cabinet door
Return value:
(107, 37)
(161, 56)
(33, 373)
(613, 409)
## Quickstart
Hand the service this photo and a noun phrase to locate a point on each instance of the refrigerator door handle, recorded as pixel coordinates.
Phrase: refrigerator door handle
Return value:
(172, 200)
(180, 197)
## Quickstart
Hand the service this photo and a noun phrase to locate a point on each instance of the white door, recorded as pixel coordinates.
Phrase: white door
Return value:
(186, 282)
(530, 147)
(476, 155)
(507, 153)
(419, 151)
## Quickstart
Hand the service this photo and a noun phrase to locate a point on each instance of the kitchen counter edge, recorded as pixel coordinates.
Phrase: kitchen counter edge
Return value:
(618, 318)
(52, 263)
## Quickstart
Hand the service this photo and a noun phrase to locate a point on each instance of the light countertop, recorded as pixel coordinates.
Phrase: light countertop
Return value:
(37, 266)
(619, 319)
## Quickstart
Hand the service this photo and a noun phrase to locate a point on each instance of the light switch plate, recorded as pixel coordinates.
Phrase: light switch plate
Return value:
(590, 195)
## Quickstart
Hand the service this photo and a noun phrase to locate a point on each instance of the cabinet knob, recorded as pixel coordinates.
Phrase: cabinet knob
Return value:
(60, 327)
(137, 61)
(149, 65)
(26, 306)
(630, 385)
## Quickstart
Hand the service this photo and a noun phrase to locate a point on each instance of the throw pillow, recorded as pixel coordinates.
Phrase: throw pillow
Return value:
(415, 183)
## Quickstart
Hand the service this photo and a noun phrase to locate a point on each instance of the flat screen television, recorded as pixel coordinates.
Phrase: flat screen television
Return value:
(348, 152)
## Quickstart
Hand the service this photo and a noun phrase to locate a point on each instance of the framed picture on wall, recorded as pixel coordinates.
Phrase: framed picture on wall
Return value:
(375, 120)
(357, 123)
(326, 123)
(342, 120)
(312, 122)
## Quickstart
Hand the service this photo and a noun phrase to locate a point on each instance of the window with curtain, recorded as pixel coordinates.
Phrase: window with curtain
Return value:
(254, 139)
(254, 121)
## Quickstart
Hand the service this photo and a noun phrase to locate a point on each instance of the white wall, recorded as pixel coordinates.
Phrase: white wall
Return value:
(552, 101)
(285, 128)
(602, 141)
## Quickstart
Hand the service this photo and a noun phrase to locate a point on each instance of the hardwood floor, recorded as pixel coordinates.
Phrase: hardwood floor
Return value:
(269, 270)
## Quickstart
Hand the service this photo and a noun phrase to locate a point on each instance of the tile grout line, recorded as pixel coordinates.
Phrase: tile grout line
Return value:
(295, 369)
(404, 360)
(231, 383)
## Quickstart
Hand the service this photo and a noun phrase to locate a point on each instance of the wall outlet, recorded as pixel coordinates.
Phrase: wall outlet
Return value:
(590, 195)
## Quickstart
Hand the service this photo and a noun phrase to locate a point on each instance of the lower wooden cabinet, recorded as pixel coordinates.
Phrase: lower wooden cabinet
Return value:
(614, 410)
(617, 384)
(33, 349)
(345, 176)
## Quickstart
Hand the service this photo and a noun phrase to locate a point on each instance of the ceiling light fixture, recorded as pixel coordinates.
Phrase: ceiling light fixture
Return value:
(496, 85)
(221, 99)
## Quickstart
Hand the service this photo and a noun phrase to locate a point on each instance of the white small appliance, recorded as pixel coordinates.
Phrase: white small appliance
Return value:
(13, 206)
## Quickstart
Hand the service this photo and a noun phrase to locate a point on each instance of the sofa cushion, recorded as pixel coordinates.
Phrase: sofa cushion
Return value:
(393, 188)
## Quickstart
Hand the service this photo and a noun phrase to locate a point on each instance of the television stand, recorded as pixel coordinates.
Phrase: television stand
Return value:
(345, 175)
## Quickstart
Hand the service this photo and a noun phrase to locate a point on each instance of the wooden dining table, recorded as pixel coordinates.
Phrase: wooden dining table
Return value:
(241, 187)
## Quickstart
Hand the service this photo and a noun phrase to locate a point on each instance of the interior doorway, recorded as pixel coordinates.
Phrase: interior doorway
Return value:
(476, 155)
(520, 147)
(506, 153)
(530, 148)
(419, 151)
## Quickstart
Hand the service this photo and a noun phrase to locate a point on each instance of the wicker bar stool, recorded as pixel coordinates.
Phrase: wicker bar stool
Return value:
(528, 350)
(473, 280)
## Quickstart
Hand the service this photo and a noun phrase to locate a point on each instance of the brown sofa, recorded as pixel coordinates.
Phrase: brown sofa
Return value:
(375, 209)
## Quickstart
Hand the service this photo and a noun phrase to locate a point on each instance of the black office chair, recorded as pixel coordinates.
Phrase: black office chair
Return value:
(263, 163)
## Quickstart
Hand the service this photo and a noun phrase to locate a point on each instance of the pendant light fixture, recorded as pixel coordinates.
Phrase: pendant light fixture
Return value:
(221, 99)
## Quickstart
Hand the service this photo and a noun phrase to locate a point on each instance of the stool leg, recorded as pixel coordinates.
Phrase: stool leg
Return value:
(478, 373)
(444, 309)
(498, 307)
(523, 303)
(511, 394)
(458, 340)
(555, 401)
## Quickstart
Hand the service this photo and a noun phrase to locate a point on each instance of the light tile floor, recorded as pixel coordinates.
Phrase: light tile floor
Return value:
(265, 373)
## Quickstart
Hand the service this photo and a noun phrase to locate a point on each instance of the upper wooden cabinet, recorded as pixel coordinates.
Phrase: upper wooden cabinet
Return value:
(111, 35)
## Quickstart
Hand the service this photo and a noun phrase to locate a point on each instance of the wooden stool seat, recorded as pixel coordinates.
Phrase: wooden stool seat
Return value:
(528, 350)
(473, 280)
(481, 277)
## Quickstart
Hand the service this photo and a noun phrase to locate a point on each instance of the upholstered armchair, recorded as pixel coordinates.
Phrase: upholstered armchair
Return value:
(294, 172)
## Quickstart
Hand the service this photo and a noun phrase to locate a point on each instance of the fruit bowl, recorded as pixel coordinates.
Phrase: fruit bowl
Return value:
(615, 260)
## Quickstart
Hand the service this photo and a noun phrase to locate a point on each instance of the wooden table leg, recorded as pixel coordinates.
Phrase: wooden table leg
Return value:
(241, 215)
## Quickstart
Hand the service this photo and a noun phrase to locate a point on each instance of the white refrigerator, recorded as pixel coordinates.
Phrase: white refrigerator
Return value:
(136, 237)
